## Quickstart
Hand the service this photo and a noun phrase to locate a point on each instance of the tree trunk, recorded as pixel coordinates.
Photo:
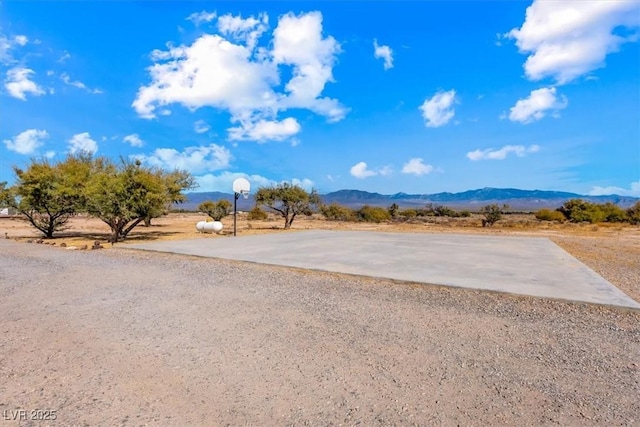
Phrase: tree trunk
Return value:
(147, 221)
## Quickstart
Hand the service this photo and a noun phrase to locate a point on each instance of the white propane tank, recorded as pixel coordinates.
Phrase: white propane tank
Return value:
(217, 227)
(200, 226)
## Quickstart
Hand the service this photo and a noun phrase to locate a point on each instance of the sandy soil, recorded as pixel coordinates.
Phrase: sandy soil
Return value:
(119, 337)
(595, 245)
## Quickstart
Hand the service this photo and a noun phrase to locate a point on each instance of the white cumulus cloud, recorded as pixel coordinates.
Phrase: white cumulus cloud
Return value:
(247, 75)
(438, 110)
(7, 44)
(26, 142)
(76, 83)
(537, 105)
(133, 140)
(201, 127)
(18, 83)
(502, 153)
(568, 39)
(361, 171)
(82, 142)
(21, 40)
(632, 191)
(305, 183)
(224, 181)
(196, 160)
(246, 31)
(201, 17)
(265, 130)
(416, 166)
(383, 52)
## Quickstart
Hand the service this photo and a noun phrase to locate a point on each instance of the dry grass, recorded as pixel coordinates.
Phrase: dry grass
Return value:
(85, 230)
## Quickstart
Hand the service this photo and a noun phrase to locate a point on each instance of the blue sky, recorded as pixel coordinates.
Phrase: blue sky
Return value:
(415, 97)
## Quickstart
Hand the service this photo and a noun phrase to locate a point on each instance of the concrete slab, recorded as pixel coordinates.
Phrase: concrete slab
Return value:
(518, 265)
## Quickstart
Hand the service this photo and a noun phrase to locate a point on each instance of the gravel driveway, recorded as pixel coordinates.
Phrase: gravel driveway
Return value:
(120, 337)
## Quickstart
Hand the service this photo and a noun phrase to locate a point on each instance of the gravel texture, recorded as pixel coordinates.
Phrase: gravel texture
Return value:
(615, 259)
(119, 337)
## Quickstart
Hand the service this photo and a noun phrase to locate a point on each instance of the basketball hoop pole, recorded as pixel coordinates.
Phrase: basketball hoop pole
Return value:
(235, 211)
(240, 187)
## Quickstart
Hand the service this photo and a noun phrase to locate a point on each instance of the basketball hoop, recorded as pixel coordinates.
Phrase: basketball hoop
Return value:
(241, 187)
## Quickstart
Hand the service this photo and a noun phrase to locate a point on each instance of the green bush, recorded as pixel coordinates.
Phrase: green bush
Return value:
(373, 214)
(336, 212)
(464, 213)
(257, 214)
(444, 211)
(408, 213)
(613, 212)
(549, 215)
(492, 214)
(216, 210)
(633, 214)
(578, 210)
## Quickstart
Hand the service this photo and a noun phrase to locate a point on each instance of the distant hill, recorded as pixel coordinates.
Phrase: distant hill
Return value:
(527, 200)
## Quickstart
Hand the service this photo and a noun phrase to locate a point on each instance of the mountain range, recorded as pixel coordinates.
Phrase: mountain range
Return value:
(521, 200)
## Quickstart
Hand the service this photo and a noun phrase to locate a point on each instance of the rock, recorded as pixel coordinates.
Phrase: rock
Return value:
(83, 247)
(63, 245)
(39, 241)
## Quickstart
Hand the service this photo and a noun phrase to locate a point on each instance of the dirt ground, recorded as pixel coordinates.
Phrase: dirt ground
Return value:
(595, 245)
(121, 337)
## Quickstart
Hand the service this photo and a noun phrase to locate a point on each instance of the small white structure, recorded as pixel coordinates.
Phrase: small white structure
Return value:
(209, 226)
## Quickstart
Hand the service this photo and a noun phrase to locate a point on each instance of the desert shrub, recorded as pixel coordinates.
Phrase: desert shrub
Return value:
(549, 215)
(408, 213)
(373, 214)
(578, 210)
(216, 210)
(393, 210)
(633, 214)
(613, 212)
(336, 212)
(257, 214)
(464, 213)
(444, 211)
(492, 214)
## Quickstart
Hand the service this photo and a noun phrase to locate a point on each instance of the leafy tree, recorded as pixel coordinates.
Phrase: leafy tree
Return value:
(6, 196)
(123, 195)
(492, 214)
(288, 200)
(336, 212)
(633, 214)
(50, 194)
(175, 182)
(216, 210)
